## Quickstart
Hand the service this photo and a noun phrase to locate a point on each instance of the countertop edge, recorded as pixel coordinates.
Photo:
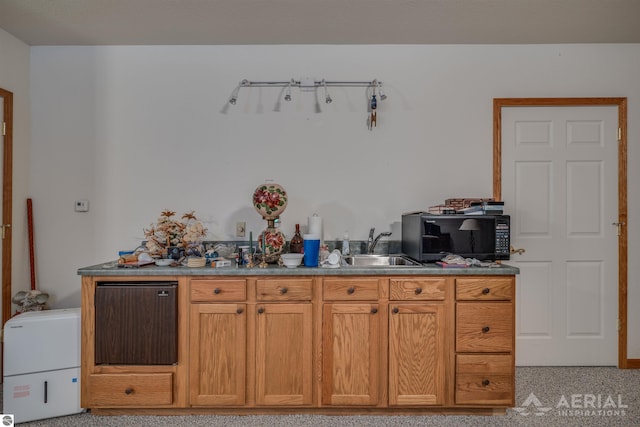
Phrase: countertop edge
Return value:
(109, 269)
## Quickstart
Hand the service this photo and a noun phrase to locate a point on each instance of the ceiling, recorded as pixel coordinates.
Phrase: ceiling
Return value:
(217, 22)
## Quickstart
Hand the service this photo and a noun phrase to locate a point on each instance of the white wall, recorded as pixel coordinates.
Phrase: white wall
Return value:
(140, 129)
(14, 77)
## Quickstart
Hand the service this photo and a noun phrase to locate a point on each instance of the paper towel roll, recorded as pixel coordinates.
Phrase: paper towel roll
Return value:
(315, 226)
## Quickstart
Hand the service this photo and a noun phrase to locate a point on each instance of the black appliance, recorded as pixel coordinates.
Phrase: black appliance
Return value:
(428, 238)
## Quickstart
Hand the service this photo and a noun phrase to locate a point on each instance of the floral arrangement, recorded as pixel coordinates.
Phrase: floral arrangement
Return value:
(168, 231)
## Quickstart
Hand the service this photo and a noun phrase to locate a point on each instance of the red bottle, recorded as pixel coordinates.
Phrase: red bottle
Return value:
(295, 246)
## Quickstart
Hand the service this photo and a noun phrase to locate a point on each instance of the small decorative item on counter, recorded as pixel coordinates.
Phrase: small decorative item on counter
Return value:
(270, 200)
(186, 233)
(272, 242)
(295, 246)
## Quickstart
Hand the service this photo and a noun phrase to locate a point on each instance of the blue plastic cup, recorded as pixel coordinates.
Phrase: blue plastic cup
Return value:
(311, 247)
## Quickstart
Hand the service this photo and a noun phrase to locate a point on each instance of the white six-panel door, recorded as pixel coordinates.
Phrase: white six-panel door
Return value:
(559, 184)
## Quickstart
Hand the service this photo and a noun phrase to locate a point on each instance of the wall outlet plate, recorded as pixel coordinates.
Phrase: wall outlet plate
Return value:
(240, 228)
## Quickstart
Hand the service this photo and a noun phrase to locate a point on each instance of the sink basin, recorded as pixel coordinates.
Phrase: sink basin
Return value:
(380, 261)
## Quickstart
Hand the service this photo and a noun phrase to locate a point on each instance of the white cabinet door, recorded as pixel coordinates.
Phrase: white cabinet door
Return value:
(559, 181)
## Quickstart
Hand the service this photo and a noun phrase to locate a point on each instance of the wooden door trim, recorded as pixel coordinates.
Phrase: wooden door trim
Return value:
(621, 103)
(7, 202)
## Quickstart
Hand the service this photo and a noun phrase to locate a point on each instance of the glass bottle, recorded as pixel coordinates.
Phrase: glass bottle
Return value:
(295, 246)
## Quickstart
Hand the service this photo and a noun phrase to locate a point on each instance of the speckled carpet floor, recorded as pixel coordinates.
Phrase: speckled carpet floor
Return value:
(545, 396)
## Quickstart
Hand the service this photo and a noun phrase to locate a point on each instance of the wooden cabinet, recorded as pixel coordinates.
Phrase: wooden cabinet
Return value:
(136, 373)
(418, 342)
(485, 341)
(217, 342)
(131, 390)
(352, 346)
(351, 352)
(276, 315)
(333, 344)
(217, 363)
(284, 346)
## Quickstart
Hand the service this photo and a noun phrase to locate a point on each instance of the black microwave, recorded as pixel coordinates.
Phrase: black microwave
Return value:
(429, 238)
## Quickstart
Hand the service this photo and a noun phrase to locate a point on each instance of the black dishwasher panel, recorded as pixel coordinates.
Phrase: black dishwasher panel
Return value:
(136, 323)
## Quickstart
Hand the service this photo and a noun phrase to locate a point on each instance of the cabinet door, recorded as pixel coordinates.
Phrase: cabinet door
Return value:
(284, 363)
(351, 354)
(417, 354)
(218, 354)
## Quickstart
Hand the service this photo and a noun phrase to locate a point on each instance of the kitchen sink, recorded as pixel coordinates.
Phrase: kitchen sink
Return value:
(380, 261)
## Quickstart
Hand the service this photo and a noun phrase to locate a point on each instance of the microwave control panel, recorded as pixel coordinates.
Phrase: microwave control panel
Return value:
(502, 241)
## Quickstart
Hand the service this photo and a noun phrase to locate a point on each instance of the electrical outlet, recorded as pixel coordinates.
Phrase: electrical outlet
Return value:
(81, 205)
(240, 228)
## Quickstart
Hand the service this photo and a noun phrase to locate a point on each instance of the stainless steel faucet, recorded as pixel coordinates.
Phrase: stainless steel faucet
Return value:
(371, 242)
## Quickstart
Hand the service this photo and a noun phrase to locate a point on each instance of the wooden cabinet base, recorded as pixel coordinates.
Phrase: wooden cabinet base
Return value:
(302, 411)
(333, 345)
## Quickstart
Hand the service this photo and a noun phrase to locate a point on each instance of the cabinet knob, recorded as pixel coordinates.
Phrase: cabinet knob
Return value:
(485, 329)
(261, 310)
(418, 291)
(239, 310)
(485, 291)
(395, 310)
(217, 290)
(351, 290)
(374, 310)
(485, 382)
(283, 291)
(128, 391)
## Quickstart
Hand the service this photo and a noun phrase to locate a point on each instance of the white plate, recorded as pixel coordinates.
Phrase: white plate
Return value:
(164, 262)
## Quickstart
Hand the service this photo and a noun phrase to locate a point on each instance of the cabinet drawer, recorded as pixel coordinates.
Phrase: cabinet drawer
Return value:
(351, 289)
(218, 290)
(115, 390)
(485, 380)
(487, 289)
(418, 289)
(284, 289)
(484, 327)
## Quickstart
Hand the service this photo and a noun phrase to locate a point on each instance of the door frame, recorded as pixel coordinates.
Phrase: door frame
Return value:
(7, 201)
(621, 103)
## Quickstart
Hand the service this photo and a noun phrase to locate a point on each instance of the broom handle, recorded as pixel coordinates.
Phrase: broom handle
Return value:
(32, 252)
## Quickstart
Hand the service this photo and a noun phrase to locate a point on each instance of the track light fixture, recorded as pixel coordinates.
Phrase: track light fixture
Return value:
(234, 95)
(383, 95)
(327, 97)
(307, 84)
(287, 96)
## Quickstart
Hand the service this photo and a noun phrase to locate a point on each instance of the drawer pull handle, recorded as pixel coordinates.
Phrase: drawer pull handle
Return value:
(261, 310)
(395, 310)
(485, 382)
(239, 310)
(485, 329)
(128, 391)
(217, 290)
(418, 291)
(351, 290)
(283, 291)
(374, 310)
(485, 291)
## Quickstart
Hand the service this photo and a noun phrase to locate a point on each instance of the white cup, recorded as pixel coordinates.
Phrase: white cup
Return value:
(334, 257)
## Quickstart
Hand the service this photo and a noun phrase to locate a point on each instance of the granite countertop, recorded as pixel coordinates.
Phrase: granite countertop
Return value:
(110, 269)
